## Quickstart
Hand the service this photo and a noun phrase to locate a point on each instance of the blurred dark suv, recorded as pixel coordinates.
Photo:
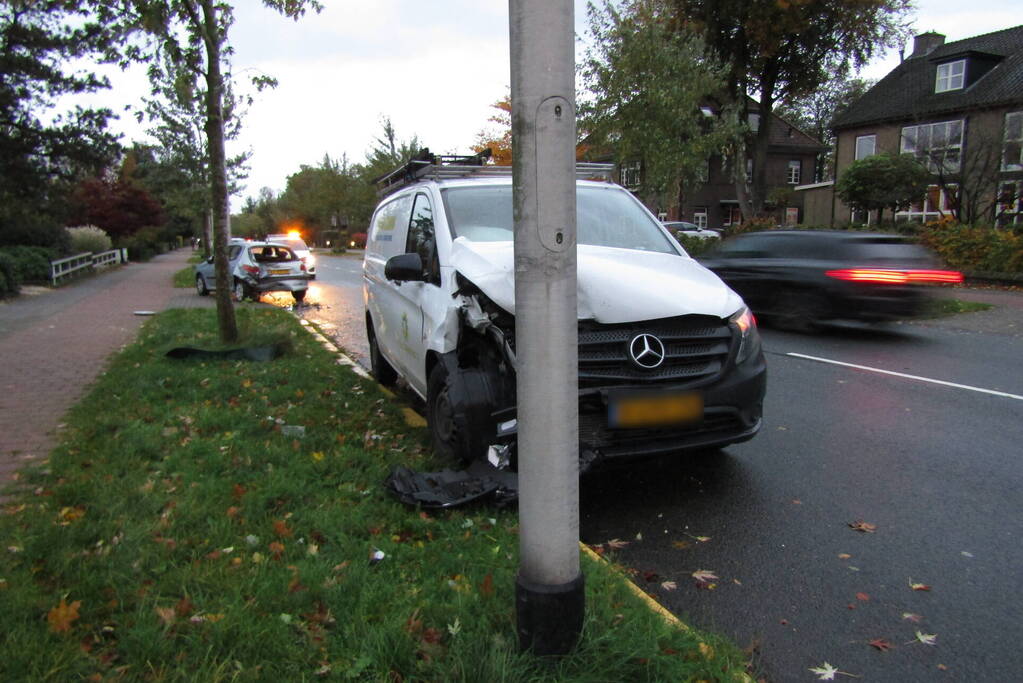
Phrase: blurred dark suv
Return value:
(798, 278)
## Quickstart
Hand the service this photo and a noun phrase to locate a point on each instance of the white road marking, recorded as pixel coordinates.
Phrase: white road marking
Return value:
(905, 376)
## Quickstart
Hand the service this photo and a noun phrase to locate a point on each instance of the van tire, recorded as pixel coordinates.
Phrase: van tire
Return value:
(381, 370)
(449, 441)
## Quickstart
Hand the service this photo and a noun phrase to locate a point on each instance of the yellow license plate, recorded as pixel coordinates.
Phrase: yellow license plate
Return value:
(654, 410)
(280, 272)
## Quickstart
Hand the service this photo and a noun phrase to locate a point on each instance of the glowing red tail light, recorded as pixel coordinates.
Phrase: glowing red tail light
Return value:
(895, 277)
(303, 265)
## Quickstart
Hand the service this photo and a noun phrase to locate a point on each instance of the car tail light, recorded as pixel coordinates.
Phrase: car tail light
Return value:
(303, 265)
(251, 270)
(895, 277)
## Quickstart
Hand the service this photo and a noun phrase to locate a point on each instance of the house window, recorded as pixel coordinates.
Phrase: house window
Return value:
(935, 204)
(631, 174)
(937, 145)
(1012, 152)
(950, 76)
(1010, 203)
(754, 121)
(794, 171)
(866, 146)
(732, 215)
(700, 216)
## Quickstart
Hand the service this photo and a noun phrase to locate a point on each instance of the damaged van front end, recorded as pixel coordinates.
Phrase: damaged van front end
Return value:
(669, 358)
(655, 376)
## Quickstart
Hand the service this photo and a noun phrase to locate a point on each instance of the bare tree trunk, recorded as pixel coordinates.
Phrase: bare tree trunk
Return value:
(741, 187)
(218, 172)
(207, 233)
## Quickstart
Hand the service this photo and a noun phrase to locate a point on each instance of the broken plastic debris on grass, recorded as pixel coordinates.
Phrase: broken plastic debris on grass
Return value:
(376, 556)
(448, 488)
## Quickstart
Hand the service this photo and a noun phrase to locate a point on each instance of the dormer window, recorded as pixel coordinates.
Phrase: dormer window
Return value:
(950, 76)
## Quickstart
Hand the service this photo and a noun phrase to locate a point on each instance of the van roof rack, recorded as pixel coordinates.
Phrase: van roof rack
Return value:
(427, 166)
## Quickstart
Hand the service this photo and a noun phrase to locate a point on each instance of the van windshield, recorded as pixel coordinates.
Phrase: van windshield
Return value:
(606, 217)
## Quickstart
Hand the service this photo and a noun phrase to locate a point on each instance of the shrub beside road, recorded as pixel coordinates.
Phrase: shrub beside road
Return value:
(209, 519)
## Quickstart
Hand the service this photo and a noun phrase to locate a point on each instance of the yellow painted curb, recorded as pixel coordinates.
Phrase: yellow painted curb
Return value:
(412, 418)
(640, 593)
(655, 606)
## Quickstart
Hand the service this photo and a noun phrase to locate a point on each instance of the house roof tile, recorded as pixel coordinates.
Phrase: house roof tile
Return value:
(907, 92)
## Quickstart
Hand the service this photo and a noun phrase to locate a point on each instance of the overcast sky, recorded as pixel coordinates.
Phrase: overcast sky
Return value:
(434, 67)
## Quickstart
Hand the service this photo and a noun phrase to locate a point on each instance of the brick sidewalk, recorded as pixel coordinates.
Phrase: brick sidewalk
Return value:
(50, 364)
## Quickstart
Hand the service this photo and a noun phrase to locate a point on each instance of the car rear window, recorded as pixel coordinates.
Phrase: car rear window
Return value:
(272, 254)
(606, 217)
(886, 250)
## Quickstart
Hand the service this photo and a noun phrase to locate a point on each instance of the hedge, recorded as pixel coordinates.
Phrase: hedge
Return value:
(974, 248)
(30, 264)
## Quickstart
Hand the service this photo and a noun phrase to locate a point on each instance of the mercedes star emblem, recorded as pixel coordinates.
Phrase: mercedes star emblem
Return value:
(646, 351)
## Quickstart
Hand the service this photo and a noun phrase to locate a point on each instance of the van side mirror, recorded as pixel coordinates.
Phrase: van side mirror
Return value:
(404, 268)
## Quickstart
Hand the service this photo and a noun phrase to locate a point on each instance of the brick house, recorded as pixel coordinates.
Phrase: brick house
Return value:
(959, 108)
(792, 158)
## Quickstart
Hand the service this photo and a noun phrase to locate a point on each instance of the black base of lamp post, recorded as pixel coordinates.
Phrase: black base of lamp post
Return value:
(549, 618)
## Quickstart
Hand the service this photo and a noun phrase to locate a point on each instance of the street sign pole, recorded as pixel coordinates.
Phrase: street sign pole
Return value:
(549, 587)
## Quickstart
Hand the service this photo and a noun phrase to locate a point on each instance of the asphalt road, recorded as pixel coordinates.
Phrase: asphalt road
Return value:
(921, 441)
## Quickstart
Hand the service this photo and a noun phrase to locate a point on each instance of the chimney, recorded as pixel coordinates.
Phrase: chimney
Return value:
(925, 43)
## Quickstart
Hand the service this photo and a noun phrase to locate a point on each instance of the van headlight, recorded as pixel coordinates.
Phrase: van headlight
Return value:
(749, 337)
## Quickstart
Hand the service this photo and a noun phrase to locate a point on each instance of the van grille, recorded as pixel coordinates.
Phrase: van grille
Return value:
(696, 348)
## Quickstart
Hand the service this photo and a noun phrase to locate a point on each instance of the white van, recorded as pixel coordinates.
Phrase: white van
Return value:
(669, 356)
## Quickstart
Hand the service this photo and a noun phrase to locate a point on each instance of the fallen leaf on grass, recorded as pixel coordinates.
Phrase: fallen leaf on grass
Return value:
(63, 615)
(880, 644)
(864, 527)
(487, 587)
(282, 530)
(167, 615)
(276, 548)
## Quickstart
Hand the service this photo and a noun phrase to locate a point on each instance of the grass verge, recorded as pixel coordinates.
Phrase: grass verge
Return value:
(941, 308)
(182, 530)
(186, 276)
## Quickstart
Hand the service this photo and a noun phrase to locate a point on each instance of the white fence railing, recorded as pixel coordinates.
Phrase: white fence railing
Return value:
(66, 267)
(107, 258)
(79, 263)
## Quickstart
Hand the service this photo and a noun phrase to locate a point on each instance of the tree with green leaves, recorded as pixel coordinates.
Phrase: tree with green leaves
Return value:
(42, 151)
(188, 49)
(883, 181)
(388, 151)
(646, 82)
(785, 50)
(814, 112)
(332, 196)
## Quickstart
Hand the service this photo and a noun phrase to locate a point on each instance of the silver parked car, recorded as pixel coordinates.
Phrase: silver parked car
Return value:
(257, 267)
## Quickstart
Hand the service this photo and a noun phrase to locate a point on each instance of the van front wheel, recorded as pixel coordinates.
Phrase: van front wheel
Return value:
(449, 441)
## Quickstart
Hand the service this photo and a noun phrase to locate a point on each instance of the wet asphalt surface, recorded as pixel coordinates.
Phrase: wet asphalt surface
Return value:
(934, 468)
